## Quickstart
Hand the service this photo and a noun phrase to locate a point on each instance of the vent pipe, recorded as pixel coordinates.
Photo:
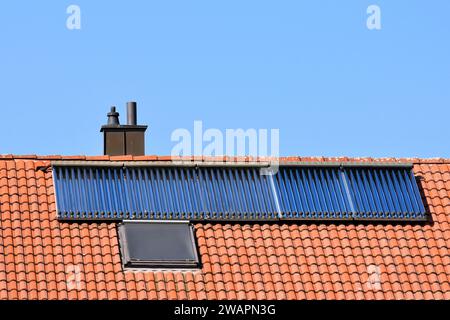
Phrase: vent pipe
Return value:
(131, 113)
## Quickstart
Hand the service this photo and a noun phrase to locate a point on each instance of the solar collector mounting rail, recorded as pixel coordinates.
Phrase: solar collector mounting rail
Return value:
(176, 192)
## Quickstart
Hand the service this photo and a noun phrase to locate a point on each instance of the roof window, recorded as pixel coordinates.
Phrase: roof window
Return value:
(160, 245)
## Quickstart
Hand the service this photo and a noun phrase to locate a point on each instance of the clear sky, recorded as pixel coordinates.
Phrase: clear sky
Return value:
(309, 68)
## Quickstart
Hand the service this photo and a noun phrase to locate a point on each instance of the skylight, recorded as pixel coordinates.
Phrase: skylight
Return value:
(157, 245)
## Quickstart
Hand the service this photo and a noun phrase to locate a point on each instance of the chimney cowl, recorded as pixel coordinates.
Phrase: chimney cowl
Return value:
(113, 118)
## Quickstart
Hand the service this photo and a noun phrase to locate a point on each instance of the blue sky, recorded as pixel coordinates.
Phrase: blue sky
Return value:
(309, 68)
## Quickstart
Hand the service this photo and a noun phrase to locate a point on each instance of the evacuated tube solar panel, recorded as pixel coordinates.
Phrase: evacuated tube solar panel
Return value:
(312, 192)
(348, 193)
(163, 193)
(385, 193)
(236, 193)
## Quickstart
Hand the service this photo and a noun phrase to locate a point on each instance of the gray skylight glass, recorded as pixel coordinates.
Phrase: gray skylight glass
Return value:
(157, 245)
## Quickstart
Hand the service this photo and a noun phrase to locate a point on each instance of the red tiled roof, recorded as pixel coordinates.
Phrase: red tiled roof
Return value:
(42, 258)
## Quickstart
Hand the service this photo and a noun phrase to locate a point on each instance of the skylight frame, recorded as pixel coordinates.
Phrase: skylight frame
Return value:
(134, 263)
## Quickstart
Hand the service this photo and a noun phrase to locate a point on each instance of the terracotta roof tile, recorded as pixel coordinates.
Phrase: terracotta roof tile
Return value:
(43, 258)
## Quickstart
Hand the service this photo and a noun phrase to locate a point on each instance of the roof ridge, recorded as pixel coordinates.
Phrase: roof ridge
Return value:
(415, 160)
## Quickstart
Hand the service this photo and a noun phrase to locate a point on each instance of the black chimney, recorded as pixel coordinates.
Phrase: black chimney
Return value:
(126, 139)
